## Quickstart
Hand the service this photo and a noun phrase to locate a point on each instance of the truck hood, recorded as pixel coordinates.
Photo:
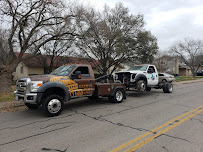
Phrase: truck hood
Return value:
(134, 72)
(45, 78)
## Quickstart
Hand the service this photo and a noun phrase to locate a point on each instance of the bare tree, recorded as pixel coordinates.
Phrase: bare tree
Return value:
(109, 36)
(31, 24)
(51, 53)
(190, 52)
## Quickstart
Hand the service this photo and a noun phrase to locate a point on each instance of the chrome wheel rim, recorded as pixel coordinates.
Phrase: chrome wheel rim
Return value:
(54, 106)
(142, 86)
(119, 96)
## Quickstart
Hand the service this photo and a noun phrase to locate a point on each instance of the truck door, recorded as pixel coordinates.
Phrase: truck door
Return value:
(152, 76)
(86, 83)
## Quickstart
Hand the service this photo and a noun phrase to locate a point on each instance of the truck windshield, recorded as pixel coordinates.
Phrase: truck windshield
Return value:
(63, 70)
(138, 68)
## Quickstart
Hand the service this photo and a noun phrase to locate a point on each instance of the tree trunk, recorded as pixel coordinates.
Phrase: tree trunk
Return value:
(193, 73)
(6, 82)
(6, 77)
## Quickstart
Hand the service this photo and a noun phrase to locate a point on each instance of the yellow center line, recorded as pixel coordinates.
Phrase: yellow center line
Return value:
(154, 130)
(161, 132)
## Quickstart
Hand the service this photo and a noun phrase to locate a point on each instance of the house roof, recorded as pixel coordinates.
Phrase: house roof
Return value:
(182, 66)
(38, 61)
(165, 57)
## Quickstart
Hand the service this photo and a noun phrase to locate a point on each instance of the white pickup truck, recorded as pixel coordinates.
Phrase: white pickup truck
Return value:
(143, 78)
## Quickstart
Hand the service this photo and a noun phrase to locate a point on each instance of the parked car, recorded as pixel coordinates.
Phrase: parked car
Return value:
(165, 77)
(200, 73)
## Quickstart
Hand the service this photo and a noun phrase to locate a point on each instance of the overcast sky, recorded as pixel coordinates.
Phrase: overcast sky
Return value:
(169, 21)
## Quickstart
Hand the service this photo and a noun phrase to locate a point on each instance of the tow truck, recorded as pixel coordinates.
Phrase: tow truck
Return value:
(63, 84)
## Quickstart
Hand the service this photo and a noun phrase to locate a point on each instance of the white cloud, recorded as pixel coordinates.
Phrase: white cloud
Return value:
(169, 21)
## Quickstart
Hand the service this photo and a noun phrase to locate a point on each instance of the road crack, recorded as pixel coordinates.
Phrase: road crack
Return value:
(111, 122)
(126, 126)
(56, 124)
(39, 134)
(196, 119)
(39, 121)
(172, 137)
(57, 150)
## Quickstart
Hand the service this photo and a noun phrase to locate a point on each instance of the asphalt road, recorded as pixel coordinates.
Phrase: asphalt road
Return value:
(144, 122)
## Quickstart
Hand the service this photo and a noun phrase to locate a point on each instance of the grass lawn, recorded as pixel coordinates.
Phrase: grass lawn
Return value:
(7, 96)
(186, 78)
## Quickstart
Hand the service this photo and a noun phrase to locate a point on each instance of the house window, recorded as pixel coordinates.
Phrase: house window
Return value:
(21, 69)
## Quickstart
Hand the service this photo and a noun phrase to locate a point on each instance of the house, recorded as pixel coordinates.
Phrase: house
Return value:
(36, 65)
(168, 64)
(172, 65)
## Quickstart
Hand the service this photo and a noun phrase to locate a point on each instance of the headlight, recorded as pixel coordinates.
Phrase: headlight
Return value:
(34, 85)
(133, 76)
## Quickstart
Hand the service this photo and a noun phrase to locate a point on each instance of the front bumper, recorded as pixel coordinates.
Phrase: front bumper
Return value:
(27, 98)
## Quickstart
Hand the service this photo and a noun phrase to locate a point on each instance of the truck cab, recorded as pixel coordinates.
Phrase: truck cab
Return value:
(149, 71)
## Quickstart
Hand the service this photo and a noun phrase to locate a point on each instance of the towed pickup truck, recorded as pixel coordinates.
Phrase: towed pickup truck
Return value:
(65, 83)
(143, 78)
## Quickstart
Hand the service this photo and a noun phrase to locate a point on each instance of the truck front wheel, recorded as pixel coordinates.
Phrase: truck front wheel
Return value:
(118, 96)
(141, 85)
(53, 105)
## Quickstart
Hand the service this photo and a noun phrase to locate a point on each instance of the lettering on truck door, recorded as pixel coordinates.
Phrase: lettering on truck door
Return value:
(85, 84)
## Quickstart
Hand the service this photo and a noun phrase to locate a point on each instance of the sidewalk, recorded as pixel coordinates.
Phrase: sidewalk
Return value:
(190, 81)
(11, 106)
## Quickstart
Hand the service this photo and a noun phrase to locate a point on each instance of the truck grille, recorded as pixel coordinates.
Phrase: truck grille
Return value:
(21, 86)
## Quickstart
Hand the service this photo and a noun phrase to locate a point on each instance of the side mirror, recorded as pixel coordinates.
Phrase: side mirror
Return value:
(77, 75)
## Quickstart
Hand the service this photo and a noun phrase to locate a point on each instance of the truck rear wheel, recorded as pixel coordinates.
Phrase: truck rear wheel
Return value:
(168, 87)
(53, 105)
(31, 106)
(118, 96)
(141, 85)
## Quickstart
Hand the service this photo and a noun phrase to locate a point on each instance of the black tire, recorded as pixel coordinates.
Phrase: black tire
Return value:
(32, 106)
(53, 105)
(168, 87)
(141, 86)
(118, 96)
(148, 89)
